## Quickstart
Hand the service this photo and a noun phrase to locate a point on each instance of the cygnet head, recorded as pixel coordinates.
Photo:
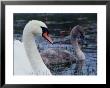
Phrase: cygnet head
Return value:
(39, 28)
(80, 32)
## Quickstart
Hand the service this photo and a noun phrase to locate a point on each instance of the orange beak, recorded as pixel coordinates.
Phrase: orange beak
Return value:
(46, 36)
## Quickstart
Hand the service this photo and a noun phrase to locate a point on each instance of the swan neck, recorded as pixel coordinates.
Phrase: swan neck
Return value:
(31, 47)
(31, 50)
(76, 46)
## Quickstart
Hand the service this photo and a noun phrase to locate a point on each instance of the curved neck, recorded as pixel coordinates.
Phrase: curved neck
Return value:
(78, 50)
(76, 45)
(31, 50)
(80, 55)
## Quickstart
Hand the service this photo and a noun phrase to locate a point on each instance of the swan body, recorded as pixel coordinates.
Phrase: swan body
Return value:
(57, 56)
(27, 59)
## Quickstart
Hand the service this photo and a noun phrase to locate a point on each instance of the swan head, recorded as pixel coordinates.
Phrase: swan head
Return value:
(81, 32)
(41, 30)
(77, 33)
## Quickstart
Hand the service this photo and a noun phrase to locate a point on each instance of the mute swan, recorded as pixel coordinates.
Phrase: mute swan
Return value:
(75, 33)
(27, 59)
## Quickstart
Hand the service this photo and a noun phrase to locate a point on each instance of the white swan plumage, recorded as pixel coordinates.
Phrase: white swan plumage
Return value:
(27, 59)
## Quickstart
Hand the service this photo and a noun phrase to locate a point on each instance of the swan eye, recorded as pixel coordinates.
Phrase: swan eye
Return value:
(44, 30)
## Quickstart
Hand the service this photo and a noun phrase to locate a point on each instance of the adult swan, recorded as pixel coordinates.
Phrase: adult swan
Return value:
(27, 59)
